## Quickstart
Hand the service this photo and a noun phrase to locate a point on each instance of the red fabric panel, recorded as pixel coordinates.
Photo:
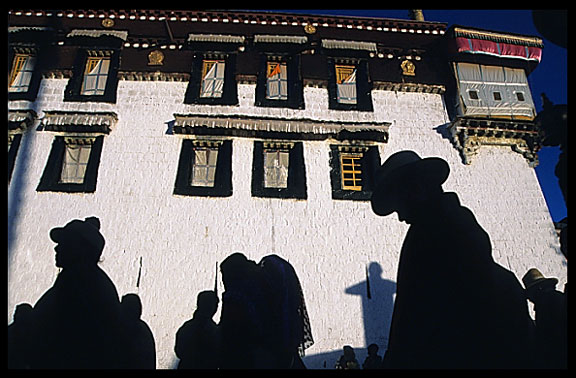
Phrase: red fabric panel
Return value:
(481, 46)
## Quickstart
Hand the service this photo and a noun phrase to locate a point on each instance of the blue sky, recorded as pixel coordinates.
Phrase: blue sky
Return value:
(550, 76)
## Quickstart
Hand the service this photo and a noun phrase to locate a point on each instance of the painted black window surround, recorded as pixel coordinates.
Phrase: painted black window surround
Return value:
(222, 180)
(51, 178)
(229, 94)
(74, 89)
(296, 187)
(369, 161)
(363, 85)
(295, 98)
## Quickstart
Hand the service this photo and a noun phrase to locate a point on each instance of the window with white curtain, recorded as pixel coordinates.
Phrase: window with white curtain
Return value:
(276, 167)
(212, 78)
(76, 156)
(204, 166)
(21, 74)
(346, 84)
(276, 81)
(95, 76)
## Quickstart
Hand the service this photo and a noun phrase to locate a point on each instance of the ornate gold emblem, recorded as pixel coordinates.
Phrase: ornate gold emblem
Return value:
(309, 29)
(155, 58)
(107, 23)
(408, 68)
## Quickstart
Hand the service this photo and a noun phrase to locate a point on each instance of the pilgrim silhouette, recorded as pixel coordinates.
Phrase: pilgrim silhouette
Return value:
(377, 296)
(551, 309)
(243, 317)
(455, 306)
(77, 321)
(290, 332)
(264, 322)
(140, 349)
(20, 337)
(198, 339)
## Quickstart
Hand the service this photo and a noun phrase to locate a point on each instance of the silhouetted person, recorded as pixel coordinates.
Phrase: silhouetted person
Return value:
(20, 337)
(290, 332)
(551, 310)
(243, 322)
(347, 360)
(140, 349)
(198, 340)
(455, 307)
(77, 321)
(373, 360)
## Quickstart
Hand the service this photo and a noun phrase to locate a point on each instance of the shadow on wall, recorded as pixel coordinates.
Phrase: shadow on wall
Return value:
(377, 296)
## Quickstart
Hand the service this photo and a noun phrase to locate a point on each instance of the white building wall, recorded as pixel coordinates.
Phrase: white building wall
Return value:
(179, 239)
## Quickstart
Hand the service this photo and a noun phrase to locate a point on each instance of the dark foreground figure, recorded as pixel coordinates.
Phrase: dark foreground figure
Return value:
(455, 306)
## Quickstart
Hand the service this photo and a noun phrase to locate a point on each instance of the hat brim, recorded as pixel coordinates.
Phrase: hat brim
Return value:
(56, 234)
(434, 170)
(542, 282)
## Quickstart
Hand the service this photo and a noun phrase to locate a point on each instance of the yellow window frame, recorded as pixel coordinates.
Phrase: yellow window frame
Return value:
(343, 72)
(351, 173)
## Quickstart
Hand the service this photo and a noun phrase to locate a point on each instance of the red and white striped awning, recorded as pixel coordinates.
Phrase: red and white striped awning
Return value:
(471, 41)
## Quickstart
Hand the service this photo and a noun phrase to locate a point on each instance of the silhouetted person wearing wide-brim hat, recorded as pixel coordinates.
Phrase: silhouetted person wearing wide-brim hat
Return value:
(77, 321)
(455, 307)
(551, 309)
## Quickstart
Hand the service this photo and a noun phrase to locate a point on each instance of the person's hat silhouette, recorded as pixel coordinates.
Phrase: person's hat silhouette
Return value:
(88, 229)
(534, 278)
(404, 164)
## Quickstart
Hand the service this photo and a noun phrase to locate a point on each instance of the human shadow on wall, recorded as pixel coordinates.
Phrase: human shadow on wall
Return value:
(455, 307)
(77, 321)
(140, 348)
(263, 322)
(377, 295)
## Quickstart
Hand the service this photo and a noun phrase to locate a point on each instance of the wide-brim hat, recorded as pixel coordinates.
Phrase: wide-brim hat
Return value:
(534, 278)
(88, 229)
(433, 170)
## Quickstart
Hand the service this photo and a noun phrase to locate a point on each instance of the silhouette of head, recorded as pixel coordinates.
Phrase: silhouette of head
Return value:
(236, 268)
(372, 349)
(207, 302)
(375, 269)
(23, 312)
(535, 283)
(131, 306)
(407, 183)
(79, 243)
(349, 352)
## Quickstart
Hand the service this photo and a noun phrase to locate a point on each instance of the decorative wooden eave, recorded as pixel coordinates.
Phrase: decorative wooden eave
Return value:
(244, 17)
(79, 122)
(468, 134)
(290, 128)
(20, 120)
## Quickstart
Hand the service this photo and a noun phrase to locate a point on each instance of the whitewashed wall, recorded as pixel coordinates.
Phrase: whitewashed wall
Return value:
(330, 243)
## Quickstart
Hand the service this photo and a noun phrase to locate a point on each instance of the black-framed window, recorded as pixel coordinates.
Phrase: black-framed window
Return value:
(278, 170)
(279, 82)
(24, 74)
(94, 77)
(72, 165)
(204, 168)
(349, 85)
(212, 80)
(352, 171)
